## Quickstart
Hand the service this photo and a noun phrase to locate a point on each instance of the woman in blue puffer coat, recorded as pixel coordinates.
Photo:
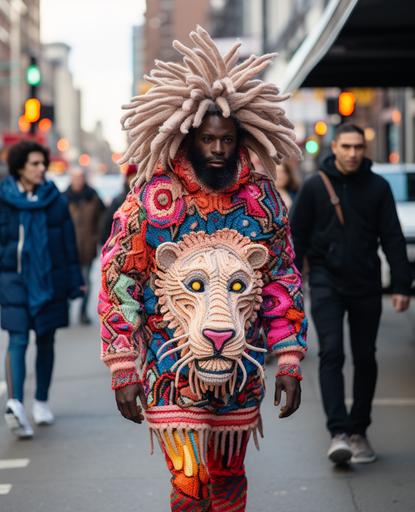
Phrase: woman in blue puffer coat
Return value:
(39, 272)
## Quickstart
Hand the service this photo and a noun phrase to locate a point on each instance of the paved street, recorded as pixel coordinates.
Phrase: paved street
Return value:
(92, 460)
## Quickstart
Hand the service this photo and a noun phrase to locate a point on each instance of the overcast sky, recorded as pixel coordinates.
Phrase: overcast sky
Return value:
(100, 35)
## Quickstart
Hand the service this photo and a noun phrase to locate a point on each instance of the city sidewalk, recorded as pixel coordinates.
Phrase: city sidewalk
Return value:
(93, 460)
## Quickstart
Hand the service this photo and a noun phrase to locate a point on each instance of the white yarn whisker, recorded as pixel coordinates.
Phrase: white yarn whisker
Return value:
(245, 376)
(255, 349)
(255, 362)
(173, 350)
(179, 361)
(168, 342)
(180, 368)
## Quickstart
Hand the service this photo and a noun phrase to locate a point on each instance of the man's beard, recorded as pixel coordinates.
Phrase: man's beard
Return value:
(214, 178)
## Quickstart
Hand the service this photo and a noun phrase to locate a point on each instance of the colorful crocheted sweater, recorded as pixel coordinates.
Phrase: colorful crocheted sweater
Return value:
(172, 227)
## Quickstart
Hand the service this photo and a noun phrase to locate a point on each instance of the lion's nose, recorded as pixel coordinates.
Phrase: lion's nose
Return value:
(218, 338)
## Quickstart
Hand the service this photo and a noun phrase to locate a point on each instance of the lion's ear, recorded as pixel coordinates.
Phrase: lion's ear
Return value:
(166, 255)
(257, 255)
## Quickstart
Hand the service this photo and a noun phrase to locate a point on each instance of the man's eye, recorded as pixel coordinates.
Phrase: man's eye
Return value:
(228, 140)
(196, 285)
(237, 286)
(206, 139)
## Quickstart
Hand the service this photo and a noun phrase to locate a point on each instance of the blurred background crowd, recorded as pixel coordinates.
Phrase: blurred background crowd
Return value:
(342, 60)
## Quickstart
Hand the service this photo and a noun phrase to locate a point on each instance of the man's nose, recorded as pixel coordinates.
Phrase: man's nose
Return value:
(217, 148)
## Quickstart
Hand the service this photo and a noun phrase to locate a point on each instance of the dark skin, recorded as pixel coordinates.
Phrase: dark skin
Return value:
(216, 140)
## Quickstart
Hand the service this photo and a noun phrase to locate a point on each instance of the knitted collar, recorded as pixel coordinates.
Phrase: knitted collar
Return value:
(184, 170)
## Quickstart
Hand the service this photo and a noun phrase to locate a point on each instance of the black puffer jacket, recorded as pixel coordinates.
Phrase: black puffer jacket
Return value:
(346, 257)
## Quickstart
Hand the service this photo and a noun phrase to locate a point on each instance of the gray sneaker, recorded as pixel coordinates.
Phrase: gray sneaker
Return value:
(363, 453)
(340, 451)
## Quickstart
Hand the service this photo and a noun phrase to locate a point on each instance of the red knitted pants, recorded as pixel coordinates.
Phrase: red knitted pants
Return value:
(218, 484)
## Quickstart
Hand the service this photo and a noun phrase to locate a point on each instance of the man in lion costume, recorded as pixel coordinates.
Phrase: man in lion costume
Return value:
(198, 280)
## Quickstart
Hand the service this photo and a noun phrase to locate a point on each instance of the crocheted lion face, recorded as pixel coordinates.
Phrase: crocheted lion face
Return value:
(209, 289)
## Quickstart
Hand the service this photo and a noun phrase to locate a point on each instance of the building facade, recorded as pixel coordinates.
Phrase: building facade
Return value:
(19, 40)
(58, 89)
(166, 20)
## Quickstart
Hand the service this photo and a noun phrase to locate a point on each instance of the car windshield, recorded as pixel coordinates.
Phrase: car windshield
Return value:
(402, 184)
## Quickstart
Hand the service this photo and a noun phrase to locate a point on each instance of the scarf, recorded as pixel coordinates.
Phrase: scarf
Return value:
(36, 262)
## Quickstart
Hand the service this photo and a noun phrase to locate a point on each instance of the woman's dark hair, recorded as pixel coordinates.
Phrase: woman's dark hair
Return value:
(19, 153)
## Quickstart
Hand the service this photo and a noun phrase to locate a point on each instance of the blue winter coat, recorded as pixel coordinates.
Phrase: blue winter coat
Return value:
(66, 278)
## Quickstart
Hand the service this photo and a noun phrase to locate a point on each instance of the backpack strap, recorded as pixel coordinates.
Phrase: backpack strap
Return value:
(335, 201)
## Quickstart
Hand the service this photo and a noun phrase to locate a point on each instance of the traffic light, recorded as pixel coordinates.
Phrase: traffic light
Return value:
(312, 146)
(346, 103)
(32, 110)
(33, 76)
(320, 128)
(32, 104)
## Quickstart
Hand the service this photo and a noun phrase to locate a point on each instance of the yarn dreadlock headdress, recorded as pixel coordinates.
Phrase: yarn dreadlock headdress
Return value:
(158, 121)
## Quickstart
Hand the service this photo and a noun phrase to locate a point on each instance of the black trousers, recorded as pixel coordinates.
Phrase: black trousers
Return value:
(328, 308)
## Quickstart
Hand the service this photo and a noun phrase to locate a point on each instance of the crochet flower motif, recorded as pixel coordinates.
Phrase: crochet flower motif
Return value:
(276, 304)
(161, 203)
(277, 301)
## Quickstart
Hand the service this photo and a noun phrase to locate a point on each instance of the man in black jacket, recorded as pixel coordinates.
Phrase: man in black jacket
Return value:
(345, 277)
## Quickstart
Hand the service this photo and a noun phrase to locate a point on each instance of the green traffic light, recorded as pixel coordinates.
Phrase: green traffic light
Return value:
(312, 146)
(33, 75)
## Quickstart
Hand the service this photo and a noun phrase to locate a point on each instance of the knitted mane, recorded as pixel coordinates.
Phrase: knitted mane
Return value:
(158, 121)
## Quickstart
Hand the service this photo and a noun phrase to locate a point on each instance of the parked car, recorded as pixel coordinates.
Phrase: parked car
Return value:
(401, 178)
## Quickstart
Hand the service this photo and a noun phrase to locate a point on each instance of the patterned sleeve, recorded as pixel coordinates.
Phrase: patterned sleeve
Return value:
(125, 268)
(285, 323)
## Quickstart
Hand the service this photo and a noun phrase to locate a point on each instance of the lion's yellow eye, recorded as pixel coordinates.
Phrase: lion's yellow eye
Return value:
(197, 285)
(237, 286)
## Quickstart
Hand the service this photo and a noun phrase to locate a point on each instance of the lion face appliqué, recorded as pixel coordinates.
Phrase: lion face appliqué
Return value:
(209, 290)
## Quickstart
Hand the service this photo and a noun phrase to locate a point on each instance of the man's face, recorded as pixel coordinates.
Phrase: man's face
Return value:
(349, 150)
(213, 152)
(33, 173)
(78, 180)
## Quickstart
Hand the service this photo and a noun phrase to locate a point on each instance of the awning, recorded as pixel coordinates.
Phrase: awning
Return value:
(360, 43)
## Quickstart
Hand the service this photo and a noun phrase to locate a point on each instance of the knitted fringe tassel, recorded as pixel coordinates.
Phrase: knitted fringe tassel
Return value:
(223, 442)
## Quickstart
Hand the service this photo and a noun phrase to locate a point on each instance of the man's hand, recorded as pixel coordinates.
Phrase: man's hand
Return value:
(400, 302)
(126, 399)
(292, 389)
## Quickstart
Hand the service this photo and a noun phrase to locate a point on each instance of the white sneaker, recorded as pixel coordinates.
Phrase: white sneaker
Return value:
(16, 419)
(363, 452)
(42, 413)
(340, 451)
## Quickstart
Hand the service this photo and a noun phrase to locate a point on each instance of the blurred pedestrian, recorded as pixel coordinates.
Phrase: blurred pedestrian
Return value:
(39, 272)
(87, 212)
(287, 183)
(117, 202)
(338, 227)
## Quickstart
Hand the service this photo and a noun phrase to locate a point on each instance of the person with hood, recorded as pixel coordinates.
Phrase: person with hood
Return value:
(338, 220)
(87, 212)
(39, 272)
(117, 202)
(198, 264)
